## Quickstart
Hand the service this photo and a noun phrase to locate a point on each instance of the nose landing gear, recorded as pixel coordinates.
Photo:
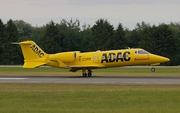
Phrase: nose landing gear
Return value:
(153, 69)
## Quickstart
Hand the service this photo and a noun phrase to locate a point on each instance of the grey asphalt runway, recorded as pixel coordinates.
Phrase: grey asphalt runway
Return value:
(121, 80)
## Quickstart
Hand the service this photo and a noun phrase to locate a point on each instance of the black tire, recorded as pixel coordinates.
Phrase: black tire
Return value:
(153, 69)
(89, 74)
(84, 75)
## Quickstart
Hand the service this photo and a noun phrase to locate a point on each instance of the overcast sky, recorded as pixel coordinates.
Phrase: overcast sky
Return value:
(127, 12)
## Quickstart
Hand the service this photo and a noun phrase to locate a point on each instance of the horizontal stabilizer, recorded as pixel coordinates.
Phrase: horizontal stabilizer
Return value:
(33, 64)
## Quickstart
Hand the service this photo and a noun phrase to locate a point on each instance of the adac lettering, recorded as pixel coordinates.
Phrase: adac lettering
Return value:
(37, 51)
(113, 57)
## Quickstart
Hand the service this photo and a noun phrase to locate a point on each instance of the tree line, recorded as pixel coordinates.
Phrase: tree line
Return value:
(162, 39)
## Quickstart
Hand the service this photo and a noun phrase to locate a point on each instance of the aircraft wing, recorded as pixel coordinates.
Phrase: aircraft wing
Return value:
(76, 68)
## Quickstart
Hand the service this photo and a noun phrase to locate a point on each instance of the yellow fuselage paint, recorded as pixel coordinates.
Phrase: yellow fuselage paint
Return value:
(113, 58)
(34, 56)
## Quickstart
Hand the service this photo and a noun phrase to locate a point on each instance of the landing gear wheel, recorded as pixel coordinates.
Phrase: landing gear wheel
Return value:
(153, 69)
(89, 73)
(84, 75)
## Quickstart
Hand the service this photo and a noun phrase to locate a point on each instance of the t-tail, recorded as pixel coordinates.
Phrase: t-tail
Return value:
(34, 56)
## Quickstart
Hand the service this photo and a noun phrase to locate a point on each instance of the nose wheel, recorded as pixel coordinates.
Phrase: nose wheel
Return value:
(153, 69)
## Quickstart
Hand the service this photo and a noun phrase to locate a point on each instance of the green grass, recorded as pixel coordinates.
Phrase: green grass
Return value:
(123, 69)
(40, 69)
(56, 98)
(71, 98)
(160, 71)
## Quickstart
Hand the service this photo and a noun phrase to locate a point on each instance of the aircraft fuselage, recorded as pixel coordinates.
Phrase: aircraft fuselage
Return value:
(34, 56)
(113, 58)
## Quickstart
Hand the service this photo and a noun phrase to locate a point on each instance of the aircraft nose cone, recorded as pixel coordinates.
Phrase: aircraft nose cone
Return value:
(164, 59)
(159, 59)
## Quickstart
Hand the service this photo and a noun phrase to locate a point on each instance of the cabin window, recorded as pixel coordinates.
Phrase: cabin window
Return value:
(141, 52)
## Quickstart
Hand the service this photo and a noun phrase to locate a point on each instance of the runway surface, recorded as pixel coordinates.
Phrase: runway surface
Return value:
(121, 80)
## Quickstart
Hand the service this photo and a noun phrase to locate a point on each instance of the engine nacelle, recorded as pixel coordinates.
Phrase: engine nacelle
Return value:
(66, 57)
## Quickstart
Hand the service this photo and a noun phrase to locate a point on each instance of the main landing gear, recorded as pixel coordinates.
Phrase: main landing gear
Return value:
(84, 74)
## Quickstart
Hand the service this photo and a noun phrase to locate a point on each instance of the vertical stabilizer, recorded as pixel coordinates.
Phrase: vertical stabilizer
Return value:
(31, 50)
(34, 56)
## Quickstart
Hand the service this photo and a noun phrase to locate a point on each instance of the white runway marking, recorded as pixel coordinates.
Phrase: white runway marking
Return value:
(92, 80)
(12, 78)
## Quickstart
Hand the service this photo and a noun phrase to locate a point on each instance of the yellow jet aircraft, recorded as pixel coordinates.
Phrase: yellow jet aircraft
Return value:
(34, 56)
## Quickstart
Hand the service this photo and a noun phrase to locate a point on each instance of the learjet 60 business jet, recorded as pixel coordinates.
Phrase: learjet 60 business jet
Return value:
(34, 56)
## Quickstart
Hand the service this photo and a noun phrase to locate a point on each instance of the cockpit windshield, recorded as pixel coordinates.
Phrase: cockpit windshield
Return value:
(141, 52)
